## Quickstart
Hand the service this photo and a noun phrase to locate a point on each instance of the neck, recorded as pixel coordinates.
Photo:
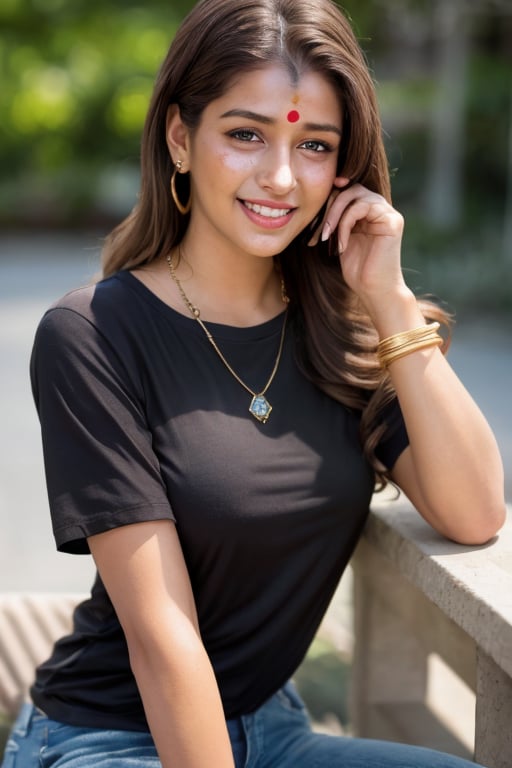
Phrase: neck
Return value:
(229, 288)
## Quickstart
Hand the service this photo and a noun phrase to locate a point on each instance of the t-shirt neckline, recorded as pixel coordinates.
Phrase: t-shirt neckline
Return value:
(219, 330)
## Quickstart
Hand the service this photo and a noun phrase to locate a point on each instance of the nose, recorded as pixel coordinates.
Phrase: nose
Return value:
(277, 174)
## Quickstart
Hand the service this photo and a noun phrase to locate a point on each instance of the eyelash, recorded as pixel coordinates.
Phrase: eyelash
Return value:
(320, 146)
(243, 132)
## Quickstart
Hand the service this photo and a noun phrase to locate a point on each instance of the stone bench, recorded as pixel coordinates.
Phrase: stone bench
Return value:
(417, 599)
(29, 625)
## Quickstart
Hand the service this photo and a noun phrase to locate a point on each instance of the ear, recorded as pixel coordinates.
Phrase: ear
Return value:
(177, 136)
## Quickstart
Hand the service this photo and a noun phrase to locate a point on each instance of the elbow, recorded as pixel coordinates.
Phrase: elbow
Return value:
(494, 523)
(150, 652)
(481, 527)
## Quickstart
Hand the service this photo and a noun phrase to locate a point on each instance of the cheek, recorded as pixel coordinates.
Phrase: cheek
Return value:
(320, 180)
(236, 162)
(222, 163)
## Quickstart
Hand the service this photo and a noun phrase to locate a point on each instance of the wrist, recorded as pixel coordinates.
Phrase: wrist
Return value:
(396, 312)
(405, 343)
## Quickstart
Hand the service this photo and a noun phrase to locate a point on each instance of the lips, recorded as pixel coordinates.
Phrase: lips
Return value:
(266, 210)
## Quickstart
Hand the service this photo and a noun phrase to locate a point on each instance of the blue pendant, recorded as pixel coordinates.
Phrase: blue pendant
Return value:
(260, 408)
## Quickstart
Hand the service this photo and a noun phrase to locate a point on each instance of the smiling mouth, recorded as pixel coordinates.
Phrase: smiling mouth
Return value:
(264, 210)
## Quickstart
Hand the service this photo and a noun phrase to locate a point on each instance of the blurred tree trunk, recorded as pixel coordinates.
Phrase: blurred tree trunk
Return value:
(445, 183)
(507, 229)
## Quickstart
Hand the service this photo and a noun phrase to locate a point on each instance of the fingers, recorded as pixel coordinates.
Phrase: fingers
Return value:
(339, 182)
(355, 206)
(320, 228)
(371, 216)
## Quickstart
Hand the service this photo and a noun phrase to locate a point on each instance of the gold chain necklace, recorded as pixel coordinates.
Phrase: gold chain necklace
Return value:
(260, 408)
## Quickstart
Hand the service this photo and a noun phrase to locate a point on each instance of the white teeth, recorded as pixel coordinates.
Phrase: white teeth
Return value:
(263, 210)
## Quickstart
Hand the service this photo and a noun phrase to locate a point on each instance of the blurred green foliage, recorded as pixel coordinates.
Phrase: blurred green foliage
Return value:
(323, 680)
(76, 81)
(5, 727)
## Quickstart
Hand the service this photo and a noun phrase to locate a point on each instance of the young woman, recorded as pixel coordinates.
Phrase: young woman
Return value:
(216, 411)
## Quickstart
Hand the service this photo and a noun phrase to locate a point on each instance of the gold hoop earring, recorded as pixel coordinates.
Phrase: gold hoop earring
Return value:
(183, 209)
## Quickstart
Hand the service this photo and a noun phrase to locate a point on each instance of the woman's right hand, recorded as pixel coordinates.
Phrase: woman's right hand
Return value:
(144, 572)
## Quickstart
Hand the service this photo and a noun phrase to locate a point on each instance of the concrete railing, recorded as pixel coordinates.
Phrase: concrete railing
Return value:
(419, 598)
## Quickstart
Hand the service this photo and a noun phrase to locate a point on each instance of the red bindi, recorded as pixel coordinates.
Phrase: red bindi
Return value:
(293, 116)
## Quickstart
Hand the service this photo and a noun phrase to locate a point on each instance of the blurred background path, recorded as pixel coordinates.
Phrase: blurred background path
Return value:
(34, 271)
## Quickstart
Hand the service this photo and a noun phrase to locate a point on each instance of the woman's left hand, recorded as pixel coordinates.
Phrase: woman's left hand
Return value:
(369, 232)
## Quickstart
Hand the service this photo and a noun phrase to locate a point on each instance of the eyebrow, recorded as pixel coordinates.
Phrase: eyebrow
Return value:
(249, 115)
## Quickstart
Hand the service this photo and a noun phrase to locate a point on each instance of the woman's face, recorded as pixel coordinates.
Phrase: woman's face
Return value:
(263, 160)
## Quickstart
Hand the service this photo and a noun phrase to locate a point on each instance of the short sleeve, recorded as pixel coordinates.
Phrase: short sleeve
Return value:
(396, 439)
(101, 471)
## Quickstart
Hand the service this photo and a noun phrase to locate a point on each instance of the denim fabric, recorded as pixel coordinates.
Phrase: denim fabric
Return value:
(38, 742)
(277, 735)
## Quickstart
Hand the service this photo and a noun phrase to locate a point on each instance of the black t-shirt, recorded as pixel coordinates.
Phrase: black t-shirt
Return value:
(142, 421)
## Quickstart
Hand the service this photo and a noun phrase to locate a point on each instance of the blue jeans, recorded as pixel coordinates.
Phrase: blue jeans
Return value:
(277, 735)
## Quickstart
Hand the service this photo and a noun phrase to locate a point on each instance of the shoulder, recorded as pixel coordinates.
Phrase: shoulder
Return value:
(94, 328)
(90, 334)
(98, 308)
(95, 300)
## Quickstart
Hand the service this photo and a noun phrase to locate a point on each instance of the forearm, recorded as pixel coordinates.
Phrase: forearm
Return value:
(452, 471)
(457, 466)
(182, 702)
(144, 571)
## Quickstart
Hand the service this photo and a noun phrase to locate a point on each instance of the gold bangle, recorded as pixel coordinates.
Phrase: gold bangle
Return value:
(400, 344)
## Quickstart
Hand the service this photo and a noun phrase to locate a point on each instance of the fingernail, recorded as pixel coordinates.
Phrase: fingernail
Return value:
(326, 232)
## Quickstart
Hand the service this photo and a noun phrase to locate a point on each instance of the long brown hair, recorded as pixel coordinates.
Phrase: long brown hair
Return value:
(219, 40)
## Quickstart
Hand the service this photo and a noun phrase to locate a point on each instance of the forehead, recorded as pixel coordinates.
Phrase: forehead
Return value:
(271, 91)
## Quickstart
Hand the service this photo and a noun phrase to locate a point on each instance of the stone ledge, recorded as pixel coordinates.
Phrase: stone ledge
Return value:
(417, 595)
(471, 585)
